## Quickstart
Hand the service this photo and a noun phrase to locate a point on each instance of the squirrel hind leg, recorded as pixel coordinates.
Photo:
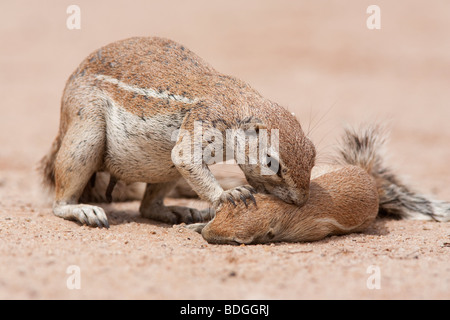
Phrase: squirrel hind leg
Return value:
(96, 192)
(78, 158)
(152, 207)
(112, 183)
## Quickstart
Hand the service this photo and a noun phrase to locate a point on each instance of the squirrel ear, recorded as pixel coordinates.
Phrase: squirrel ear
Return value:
(259, 126)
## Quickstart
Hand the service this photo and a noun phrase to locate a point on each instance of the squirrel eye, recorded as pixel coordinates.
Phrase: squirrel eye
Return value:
(273, 164)
(279, 172)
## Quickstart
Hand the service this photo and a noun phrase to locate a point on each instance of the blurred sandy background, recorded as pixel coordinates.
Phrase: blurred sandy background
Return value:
(318, 59)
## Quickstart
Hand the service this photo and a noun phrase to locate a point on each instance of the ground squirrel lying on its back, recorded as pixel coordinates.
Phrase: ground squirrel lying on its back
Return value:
(120, 110)
(344, 198)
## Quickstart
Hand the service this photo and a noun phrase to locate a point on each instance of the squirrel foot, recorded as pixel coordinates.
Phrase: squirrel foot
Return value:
(177, 214)
(197, 227)
(85, 214)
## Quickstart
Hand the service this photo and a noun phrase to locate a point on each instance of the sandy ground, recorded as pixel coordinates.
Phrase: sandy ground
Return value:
(317, 59)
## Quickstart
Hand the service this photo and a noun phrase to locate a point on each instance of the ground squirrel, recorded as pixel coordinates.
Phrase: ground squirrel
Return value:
(345, 197)
(119, 112)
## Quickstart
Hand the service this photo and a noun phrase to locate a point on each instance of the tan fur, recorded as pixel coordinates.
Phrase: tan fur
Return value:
(120, 110)
(342, 201)
(345, 197)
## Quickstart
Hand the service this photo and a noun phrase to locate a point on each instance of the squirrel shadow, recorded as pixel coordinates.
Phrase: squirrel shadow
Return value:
(126, 212)
(377, 228)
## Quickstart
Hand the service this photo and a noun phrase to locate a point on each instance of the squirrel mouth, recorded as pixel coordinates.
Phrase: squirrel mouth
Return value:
(284, 194)
(291, 197)
(261, 189)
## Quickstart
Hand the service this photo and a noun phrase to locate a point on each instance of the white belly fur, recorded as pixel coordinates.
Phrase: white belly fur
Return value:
(138, 149)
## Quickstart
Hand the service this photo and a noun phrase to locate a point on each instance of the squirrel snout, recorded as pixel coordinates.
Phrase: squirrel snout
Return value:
(300, 197)
(290, 195)
(296, 197)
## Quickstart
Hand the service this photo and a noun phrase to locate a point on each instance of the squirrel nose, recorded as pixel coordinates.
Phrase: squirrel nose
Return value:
(301, 197)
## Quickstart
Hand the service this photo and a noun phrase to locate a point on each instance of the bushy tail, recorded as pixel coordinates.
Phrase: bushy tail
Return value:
(364, 148)
(47, 165)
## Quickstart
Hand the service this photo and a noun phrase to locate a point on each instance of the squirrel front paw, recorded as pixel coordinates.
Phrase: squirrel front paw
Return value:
(241, 193)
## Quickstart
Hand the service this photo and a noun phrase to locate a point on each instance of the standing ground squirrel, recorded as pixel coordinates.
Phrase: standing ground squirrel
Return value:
(345, 197)
(119, 112)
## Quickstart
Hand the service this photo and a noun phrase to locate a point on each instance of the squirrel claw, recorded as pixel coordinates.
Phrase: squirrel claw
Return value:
(237, 194)
(251, 189)
(230, 198)
(253, 198)
(243, 200)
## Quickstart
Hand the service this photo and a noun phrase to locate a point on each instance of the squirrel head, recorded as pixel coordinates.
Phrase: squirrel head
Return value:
(248, 225)
(284, 167)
